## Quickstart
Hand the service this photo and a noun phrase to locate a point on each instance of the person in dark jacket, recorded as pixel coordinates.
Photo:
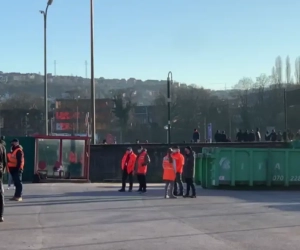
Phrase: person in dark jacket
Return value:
(239, 136)
(3, 166)
(217, 136)
(196, 136)
(251, 136)
(273, 136)
(189, 172)
(246, 136)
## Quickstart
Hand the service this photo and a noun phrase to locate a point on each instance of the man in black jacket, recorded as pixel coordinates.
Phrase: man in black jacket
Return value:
(3, 163)
(189, 172)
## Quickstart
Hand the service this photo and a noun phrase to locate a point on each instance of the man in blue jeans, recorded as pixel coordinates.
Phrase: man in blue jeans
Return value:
(16, 166)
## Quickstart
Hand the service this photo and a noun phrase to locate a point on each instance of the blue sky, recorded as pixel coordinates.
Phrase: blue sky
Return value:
(206, 42)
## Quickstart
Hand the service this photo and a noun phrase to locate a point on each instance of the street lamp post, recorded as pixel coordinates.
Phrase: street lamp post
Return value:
(169, 82)
(44, 13)
(93, 112)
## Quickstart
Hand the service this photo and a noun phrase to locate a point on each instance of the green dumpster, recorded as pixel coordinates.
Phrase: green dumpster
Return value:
(198, 175)
(251, 167)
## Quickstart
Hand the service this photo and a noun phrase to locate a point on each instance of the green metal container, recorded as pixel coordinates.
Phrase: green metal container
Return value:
(250, 167)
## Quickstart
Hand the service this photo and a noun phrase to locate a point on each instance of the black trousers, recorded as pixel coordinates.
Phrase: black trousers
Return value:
(126, 175)
(142, 182)
(17, 179)
(1, 195)
(190, 184)
(178, 184)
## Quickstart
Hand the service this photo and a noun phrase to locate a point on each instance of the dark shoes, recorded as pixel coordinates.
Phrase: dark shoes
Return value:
(188, 196)
(1, 219)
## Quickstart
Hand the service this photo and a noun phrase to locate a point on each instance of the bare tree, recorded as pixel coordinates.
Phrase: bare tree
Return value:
(278, 68)
(261, 86)
(288, 70)
(297, 70)
(244, 85)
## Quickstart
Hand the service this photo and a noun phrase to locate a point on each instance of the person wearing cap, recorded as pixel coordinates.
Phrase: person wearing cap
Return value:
(189, 172)
(127, 165)
(169, 174)
(16, 166)
(141, 166)
(3, 166)
(179, 162)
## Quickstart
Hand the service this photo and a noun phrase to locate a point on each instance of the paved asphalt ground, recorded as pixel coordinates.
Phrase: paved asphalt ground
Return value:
(96, 217)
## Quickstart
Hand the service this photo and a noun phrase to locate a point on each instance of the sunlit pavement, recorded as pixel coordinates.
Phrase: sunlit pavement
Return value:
(96, 216)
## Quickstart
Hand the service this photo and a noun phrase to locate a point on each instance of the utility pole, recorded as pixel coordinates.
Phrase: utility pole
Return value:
(169, 82)
(93, 112)
(44, 13)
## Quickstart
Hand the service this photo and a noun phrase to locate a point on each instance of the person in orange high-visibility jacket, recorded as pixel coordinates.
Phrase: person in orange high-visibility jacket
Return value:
(72, 157)
(16, 167)
(9, 177)
(141, 166)
(179, 162)
(169, 174)
(127, 165)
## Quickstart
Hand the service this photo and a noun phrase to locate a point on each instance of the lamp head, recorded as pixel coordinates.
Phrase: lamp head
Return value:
(42, 12)
(50, 2)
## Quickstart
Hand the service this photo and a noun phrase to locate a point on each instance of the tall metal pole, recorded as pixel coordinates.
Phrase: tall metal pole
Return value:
(169, 82)
(93, 112)
(44, 13)
(45, 73)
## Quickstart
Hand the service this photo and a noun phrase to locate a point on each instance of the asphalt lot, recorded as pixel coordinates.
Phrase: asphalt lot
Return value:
(97, 217)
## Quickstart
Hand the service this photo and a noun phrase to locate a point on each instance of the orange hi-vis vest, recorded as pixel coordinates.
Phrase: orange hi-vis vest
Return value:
(131, 162)
(169, 169)
(140, 161)
(12, 159)
(179, 161)
(72, 157)
(8, 162)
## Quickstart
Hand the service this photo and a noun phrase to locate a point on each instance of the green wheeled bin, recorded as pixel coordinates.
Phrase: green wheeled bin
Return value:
(198, 175)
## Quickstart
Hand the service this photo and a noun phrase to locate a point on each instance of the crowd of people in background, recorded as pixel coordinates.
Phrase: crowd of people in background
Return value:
(250, 136)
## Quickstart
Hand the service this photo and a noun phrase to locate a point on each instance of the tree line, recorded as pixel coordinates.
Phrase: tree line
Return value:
(250, 104)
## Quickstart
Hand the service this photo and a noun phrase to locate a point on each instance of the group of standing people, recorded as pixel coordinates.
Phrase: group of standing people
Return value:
(175, 167)
(13, 163)
(131, 164)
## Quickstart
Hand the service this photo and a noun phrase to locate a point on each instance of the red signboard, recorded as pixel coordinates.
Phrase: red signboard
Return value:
(67, 115)
(64, 126)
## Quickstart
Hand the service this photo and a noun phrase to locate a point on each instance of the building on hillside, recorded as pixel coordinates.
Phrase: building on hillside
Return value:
(70, 115)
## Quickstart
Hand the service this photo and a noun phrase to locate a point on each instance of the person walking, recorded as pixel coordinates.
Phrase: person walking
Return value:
(9, 177)
(16, 167)
(189, 172)
(179, 162)
(3, 166)
(127, 165)
(141, 163)
(169, 174)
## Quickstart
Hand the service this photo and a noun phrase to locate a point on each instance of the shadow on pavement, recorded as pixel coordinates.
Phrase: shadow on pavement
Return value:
(166, 237)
